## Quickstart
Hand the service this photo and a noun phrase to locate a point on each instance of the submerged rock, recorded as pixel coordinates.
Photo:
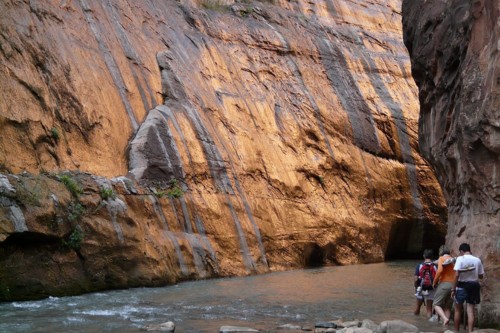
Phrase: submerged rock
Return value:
(163, 327)
(232, 329)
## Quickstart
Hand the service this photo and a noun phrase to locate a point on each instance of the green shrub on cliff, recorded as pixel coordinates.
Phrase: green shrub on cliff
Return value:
(159, 193)
(173, 190)
(107, 193)
(218, 5)
(246, 11)
(71, 185)
(74, 240)
(55, 134)
(75, 211)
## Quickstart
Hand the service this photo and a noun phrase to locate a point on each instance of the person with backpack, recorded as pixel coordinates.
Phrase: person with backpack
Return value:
(424, 279)
(444, 279)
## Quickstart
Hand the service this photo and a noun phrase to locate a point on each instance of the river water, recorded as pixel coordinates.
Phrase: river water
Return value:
(379, 292)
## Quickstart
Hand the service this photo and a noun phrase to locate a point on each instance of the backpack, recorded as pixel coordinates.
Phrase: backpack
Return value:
(427, 273)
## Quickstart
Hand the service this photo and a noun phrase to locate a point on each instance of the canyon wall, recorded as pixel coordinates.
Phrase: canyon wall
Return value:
(151, 142)
(454, 47)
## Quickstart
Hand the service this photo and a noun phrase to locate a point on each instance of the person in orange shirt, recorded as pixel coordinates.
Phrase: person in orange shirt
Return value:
(445, 276)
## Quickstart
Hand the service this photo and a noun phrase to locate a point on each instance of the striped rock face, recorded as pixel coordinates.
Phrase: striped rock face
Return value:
(455, 59)
(258, 136)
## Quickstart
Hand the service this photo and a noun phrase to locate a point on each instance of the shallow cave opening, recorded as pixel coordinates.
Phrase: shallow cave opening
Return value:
(313, 255)
(29, 239)
(408, 239)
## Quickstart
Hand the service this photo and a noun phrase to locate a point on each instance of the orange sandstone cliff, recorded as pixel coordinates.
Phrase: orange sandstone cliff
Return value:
(144, 143)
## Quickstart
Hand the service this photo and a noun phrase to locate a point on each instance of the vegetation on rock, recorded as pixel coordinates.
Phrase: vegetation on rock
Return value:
(107, 193)
(74, 240)
(71, 185)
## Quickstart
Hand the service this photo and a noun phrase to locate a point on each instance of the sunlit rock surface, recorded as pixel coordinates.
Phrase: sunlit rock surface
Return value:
(454, 46)
(256, 136)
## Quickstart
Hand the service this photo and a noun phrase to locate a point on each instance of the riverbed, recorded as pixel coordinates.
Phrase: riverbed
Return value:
(381, 291)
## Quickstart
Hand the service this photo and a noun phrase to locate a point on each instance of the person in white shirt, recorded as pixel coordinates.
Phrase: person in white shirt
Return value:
(468, 270)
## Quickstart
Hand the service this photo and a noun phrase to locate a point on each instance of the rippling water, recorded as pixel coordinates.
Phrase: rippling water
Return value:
(379, 292)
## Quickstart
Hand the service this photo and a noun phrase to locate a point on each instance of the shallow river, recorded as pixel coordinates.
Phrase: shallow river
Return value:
(379, 292)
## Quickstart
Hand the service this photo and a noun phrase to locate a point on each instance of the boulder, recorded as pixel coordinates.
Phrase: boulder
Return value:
(396, 326)
(370, 324)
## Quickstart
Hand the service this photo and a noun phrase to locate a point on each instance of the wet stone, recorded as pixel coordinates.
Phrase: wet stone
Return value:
(325, 324)
(230, 329)
(163, 327)
(290, 327)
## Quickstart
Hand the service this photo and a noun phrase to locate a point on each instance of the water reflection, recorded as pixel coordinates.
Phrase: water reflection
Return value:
(377, 291)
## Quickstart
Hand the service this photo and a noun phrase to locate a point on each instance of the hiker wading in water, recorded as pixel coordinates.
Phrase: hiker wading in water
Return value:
(424, 276)
(445, 277)
(468, 270)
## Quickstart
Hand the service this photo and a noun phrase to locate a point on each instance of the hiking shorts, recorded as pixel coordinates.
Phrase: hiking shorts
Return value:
(469, 292)
(429, 295)
(442, 297)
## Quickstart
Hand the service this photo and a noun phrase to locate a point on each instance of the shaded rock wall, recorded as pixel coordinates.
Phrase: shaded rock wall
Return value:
(455, 61)
(255, 137)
